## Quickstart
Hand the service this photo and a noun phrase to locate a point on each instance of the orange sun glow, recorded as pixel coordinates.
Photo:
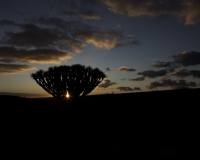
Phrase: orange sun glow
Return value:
(67, 95)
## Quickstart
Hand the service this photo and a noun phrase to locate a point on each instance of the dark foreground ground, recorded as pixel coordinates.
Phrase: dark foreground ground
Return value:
(158, 125)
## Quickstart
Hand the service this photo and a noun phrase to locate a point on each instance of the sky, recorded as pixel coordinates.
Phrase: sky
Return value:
(141, 46)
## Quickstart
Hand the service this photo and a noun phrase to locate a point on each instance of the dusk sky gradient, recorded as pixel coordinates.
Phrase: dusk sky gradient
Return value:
(140, 45)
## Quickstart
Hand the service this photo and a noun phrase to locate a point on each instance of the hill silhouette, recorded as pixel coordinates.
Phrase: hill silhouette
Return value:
(158, 124)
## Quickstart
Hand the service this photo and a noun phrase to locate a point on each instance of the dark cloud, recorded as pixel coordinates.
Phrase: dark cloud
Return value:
(153, 74)
(82, 9)
(69, 27)
(134, 42)
(85, 14)
(90, 34)
(182, 73)
(137, 79)
(155, 85)
(34, 36)
(124, 89)
(91, 2)
(162, 64)
(137, 88)
(106, 84)
(58, 34)
(70, 14)
(187, 58)
(13, 54)
(172, 84)
(52, 40)
(123, 79)
(70, 3)
(188, 11)
(183, 59)
(14, 68)
(6, 22)
(125, 69)
(107, 69)
(170, 66)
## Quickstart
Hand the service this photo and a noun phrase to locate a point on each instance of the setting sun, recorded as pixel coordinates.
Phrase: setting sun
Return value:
(67, 95)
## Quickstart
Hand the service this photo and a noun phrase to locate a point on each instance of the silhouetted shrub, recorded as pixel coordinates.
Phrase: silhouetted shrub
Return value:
(76, 80)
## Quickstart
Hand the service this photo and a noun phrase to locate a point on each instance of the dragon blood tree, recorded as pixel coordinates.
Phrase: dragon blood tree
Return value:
(76, 80)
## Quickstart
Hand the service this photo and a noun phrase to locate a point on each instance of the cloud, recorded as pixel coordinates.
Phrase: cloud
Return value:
(76, 9)
(125, 69)
(182, 73)
(137, 88)
(90, 34)
(187, 58)
(106, 84)
(133, 42)
(14, 68)
(88, 14)
(85, 14)
(101, 39)
(69, 27)
(188, 11)
(70, 3)
(107, 69)
(34, 36)
(91, 2)
(161, 64)
(154, 85)
(153, 74)
(6, 22)
(124, 89)
(170, 66)
(137, 79)
(139, 8)
(190, 58)
(12, 54)
(172, 83)
(56, 33)
(70, 14)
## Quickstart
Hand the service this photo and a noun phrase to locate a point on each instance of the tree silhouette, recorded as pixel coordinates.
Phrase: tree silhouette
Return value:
(76, 80)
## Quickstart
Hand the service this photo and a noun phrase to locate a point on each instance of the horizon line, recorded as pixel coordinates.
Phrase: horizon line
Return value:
(34, 95)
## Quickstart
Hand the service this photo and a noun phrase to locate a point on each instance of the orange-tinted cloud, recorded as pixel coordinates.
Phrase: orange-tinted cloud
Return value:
(125, 69)
(85, 14)
(33, 56)
(101, 39)
(14, 68)
(188, 11)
